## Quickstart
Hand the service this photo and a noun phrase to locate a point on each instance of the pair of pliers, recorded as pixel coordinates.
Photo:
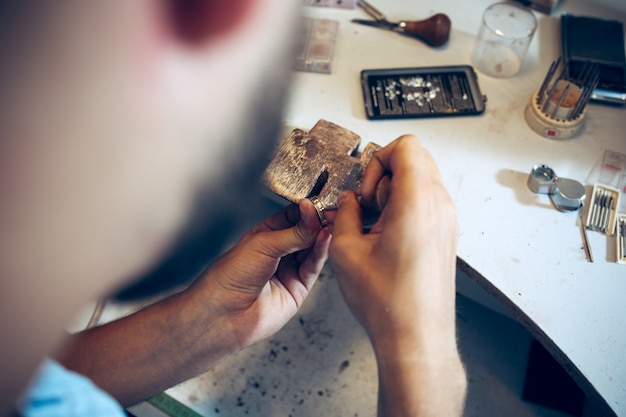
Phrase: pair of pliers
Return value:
(434, 31)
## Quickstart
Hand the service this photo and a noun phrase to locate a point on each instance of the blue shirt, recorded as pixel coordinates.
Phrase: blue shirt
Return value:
(57, 392)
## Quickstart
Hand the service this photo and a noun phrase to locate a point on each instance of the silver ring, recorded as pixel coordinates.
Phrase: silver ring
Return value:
(319, 208)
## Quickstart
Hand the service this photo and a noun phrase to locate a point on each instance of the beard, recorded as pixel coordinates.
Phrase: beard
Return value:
(222, 206)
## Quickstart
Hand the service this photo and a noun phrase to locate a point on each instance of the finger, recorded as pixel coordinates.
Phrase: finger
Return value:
(309, 216)
(283, 219)
(348, 216)
(329, 215)
(377, 167)
(433, 169)
(413, 172)
(302, 235)
(299, 278)
(315, 260)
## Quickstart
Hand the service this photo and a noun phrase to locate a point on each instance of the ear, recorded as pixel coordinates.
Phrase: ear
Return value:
(193, 22)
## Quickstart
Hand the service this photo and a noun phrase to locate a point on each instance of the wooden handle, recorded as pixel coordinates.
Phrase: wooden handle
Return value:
(435, 30)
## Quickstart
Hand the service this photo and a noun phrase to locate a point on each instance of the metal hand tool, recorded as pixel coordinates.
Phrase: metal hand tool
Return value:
(434, 31)
(602, 213)
(586, 245)
(557, 109)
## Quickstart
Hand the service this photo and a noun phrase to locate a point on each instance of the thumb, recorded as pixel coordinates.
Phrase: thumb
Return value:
(302, 235)
(348, 218)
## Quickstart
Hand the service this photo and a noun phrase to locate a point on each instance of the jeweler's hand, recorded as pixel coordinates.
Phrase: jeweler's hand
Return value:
(246, 295)
(399, 281)
(406, 263)
(262, 281)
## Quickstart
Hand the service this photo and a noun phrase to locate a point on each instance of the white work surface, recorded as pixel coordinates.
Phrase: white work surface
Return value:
(513, 242)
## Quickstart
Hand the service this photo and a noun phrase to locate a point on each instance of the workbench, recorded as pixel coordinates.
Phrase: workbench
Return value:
(527, 255)
(514, 243)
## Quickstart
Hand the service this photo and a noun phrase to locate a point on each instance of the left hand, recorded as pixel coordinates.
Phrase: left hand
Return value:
(258, 286)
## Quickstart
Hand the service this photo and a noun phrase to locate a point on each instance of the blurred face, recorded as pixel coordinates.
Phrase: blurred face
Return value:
(229, 171)
(123, 133)
(126, 127)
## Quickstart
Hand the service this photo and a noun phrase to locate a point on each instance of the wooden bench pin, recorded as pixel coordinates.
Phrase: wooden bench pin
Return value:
(319, 165)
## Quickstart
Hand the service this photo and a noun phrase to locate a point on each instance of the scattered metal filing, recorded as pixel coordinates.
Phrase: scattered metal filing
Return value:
(602, 212)
(434, 31)
(556, 109)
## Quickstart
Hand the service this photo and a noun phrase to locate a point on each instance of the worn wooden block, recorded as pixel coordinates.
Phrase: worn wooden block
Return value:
(322, 163)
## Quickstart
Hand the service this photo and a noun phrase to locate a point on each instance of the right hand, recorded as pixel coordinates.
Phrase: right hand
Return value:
(399, 279)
